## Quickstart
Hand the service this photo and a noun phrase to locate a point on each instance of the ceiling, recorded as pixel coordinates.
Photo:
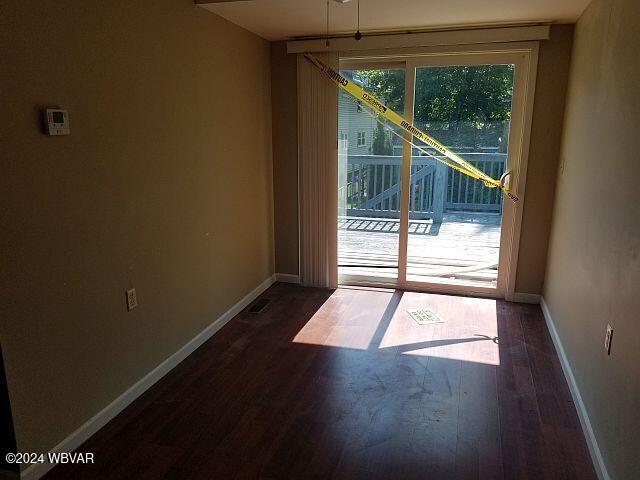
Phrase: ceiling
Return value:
(287, 19)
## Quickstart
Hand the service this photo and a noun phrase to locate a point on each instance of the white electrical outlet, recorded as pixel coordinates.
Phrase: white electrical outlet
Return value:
(132, 300)
(607, 339)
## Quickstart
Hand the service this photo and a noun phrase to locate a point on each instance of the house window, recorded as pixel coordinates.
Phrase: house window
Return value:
(344, 140)
(362, 140)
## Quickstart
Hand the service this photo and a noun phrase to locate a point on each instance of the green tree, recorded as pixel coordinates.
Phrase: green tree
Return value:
(387, 85)
(460, 105)
(381, 145)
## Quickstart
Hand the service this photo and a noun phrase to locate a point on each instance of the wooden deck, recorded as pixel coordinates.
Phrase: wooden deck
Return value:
(463, 249)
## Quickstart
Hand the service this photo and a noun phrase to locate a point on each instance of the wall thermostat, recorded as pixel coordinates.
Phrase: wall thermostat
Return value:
(56, 121)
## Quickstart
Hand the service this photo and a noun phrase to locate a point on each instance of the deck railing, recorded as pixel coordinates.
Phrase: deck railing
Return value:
(370, 186)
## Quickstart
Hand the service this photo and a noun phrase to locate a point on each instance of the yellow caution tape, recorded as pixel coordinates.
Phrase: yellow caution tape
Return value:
(420, 148)
(452, 160)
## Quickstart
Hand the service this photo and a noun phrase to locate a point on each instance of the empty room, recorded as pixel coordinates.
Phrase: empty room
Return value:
(320, 239)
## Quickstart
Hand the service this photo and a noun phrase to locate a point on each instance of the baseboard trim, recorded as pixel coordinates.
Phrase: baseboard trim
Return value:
(287, 278)
(592, 443)
(526, 298)
(77, 438)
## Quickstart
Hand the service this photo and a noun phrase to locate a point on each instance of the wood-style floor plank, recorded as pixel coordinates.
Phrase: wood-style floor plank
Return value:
(345, 385)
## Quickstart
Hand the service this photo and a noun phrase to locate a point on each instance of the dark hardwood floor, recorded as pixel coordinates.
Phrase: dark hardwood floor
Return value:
(345, 385)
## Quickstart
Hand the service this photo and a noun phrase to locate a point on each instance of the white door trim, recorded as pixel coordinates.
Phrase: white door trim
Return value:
(405, 176)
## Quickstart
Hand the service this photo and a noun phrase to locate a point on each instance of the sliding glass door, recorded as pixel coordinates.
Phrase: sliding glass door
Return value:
(369, 176)
(405, 217)
(454, 219)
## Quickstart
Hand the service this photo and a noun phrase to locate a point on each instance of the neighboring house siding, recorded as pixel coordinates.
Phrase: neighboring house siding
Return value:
(351, 121)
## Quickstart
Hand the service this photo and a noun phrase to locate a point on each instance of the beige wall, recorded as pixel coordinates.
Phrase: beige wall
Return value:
(553, 68)
(544, 148)
(593, 273)
(164, 184)
(285, 157)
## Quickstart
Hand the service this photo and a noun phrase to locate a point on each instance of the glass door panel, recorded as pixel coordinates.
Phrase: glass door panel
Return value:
(454, 220)
(369, 179)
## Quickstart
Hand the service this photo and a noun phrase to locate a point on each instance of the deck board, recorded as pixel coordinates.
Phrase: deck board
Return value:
(456, 248)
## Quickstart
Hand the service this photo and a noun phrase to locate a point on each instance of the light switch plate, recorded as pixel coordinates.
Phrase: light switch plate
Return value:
(132, 300)
(607, 339)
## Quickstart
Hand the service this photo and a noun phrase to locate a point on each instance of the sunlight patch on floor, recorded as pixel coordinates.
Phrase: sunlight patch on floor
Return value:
(377, 319)
(348, 319)
(469, 331)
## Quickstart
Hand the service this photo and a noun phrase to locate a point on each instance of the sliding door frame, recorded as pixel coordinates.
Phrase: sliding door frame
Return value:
(524, 55)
